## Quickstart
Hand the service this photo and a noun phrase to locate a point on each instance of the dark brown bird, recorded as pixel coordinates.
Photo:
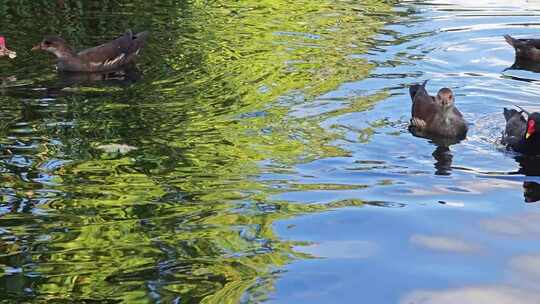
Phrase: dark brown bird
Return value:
(526, 49)
(522, 134)
(436, 116)
(106, 57)
(531, 191)
(4, 51)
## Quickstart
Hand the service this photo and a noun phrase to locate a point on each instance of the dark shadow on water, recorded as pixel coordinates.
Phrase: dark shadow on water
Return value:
(524, 65)
(442, 154)
(5, 83)
(443, 160)
(124, 76)
(66, 83)
(528, 165)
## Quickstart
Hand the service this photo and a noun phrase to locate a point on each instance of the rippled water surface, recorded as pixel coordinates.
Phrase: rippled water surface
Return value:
(260, 152)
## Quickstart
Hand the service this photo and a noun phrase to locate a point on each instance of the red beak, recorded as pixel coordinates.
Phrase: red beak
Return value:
(530, 129)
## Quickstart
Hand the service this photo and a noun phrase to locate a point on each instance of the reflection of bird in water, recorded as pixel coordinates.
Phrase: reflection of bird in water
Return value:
(524, 65)
(124, 75)
(443, 163)
(528, 165)
(68, 83)
(531, 191)
(6, 81)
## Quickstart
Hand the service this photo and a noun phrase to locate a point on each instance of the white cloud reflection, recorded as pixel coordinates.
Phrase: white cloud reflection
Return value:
(521, 289)
(520, 225)
(340, 249)
(519, 286)
(487, 294)
(441, 243)
(525, 271)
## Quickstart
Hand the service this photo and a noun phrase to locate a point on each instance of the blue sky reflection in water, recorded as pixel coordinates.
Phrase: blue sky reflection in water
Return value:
(262, 154)
(461, 230)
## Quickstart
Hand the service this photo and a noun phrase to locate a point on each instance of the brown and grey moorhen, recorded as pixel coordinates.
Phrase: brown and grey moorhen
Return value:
(4, 51)
(520, 134)
(436, 116)
(526, 49)
(109, 56)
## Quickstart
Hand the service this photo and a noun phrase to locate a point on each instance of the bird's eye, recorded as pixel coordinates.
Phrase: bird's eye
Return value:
(46, 42)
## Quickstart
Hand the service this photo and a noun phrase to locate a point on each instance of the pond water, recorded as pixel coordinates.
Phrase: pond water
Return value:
(261, 154)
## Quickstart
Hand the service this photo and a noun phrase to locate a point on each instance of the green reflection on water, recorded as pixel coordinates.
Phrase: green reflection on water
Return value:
(184, 215)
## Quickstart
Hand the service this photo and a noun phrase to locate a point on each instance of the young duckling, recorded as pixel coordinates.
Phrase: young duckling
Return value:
(436, 116)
